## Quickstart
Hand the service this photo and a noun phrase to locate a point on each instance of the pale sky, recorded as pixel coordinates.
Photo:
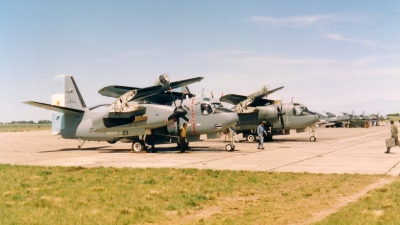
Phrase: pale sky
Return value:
(335, 56)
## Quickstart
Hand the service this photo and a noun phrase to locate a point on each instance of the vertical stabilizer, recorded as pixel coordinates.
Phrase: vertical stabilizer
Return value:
(66, 94)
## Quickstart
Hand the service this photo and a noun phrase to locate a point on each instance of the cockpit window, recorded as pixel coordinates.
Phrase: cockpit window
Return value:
(217, 105)
(297, 111)
(301, 111)
(206, 109)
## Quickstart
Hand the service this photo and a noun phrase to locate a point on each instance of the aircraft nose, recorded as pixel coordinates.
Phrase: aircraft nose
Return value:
(233, 119)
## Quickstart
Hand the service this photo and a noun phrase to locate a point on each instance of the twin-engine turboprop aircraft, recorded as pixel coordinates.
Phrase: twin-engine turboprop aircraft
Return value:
(254, 108)
(128, 121)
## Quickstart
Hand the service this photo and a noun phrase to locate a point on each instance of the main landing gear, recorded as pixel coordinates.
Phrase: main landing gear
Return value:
(250, 138)
(138, 146)
(313, 138)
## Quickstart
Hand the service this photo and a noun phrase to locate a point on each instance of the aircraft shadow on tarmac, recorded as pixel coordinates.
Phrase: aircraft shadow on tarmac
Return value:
(75, 149)
(103, 149)
(169, 150)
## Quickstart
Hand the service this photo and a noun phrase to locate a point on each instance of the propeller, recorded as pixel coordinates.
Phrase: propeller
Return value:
(179, 111)
(280, 117)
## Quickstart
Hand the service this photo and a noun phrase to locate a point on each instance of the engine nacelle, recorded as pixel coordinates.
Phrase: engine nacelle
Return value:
(163, 79)
(268, 113)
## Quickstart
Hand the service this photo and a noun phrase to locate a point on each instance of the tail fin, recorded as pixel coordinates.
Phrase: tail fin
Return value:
(65, 94)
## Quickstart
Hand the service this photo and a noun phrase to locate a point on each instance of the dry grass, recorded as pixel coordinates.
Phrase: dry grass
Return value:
(76, 195)
(24, 127)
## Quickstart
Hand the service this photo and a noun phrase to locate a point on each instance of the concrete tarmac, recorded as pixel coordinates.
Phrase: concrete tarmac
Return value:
(337, 150)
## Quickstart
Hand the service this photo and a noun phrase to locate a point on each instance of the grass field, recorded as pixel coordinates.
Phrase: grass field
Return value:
(24, 127)
(75, 195)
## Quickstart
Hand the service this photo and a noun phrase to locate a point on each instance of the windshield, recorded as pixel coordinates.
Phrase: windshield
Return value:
(217, 105)
(206, 109)
(301, 110)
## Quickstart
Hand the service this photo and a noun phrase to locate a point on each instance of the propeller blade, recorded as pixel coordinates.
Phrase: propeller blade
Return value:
(185, 118)
(280, 117)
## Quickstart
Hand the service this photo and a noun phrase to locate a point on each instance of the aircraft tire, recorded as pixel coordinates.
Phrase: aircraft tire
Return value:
(250, 138)
(229, 147)
(312, 138)
(137, 146)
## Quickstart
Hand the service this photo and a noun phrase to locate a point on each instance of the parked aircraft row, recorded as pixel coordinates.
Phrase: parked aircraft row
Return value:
(137, 112)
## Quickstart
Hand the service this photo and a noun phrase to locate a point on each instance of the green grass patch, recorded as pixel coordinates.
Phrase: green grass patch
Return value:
(380, 206)
(77, 195)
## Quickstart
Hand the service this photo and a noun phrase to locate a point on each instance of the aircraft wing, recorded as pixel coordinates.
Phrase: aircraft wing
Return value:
(57, 108)
(181, 83)
(116, 91)
(165, 97)
(233, 99)
(275, 90)
(259, 99)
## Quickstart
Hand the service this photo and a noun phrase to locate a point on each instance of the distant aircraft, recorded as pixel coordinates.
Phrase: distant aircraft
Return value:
(130, 122)
(332, 120)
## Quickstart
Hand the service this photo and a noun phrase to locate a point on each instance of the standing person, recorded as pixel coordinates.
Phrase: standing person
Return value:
(260, 132)
(151, 140)
(394, 134)
(183, 138)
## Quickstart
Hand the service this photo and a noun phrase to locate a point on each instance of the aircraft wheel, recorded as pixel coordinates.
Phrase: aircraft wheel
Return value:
(137, 146)
(312, 138)
(229, 147)
(250, 138)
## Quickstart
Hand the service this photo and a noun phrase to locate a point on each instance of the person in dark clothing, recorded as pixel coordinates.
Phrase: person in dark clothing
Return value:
(151, 140)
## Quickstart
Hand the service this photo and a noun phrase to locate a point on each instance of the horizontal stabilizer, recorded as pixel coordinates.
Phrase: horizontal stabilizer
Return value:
(57, 108)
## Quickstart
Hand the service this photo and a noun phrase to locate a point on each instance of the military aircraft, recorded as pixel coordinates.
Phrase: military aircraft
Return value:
(254, 108)
(296, 117)
(332, 120)
(127, 121)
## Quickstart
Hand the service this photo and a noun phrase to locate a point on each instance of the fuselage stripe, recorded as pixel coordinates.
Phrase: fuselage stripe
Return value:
(193, 122)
